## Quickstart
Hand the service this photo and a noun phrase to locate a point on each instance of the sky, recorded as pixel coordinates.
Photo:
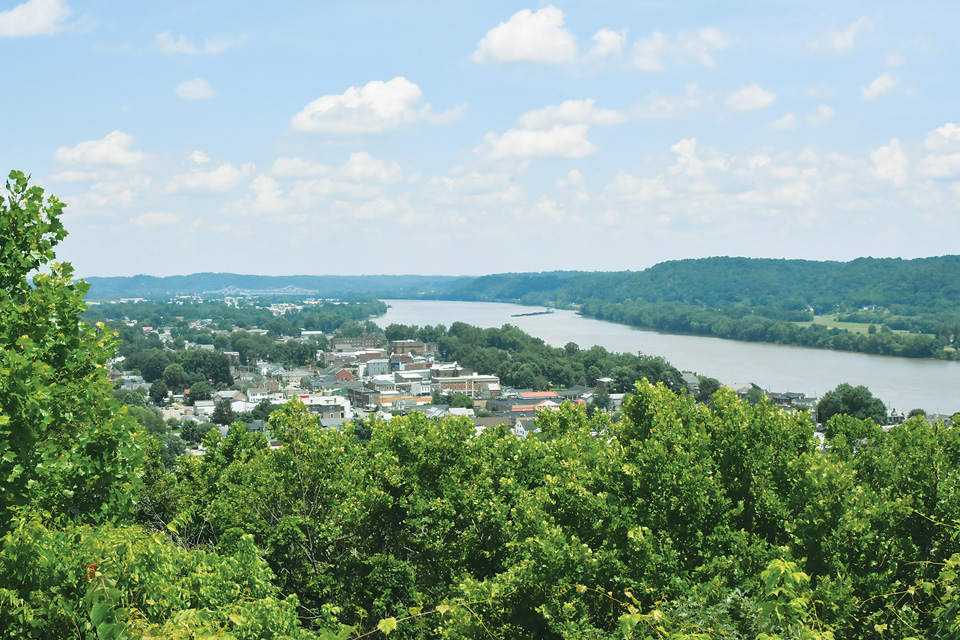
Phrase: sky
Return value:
(468, 138)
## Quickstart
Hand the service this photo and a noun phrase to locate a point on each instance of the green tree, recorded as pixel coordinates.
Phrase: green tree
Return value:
(200, 391)
(601, 400)
(158, 391)
(708, 387)
(856, 402)
(223, 413)
(66, 447)
(176, 378)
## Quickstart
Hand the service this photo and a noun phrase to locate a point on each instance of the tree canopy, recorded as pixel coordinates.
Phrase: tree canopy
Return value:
(66, 447)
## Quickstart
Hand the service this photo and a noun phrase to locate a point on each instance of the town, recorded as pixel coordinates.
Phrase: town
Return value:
(358, 377)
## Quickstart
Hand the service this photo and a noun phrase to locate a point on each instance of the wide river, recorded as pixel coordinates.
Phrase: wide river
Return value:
(902, 383)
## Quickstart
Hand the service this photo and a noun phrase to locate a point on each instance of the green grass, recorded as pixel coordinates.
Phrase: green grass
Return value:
(831, 322)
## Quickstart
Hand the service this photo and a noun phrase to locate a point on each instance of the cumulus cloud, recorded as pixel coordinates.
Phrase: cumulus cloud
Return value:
(474, 188)
(112, 149)
(571, 112)
(298, 168)
(265, 197)
(687, 161)
(660, 106)
(167, 44)
(941, 165)
(946, 136)
(363, 167)
(633, 189)
(652, 53)
(82, 176)
(196, 89)
(108, 194)
(573, 179)
(750, 98)
(199, 157)
(34, 18)
(822, 115)
(890, 163)
(559, 142)
(223, 178)
(845, 39)
(786, 123)
(945, 166)
(529, 37)
(880, 86)
(607, 42)
(374, 108)
(157, 219)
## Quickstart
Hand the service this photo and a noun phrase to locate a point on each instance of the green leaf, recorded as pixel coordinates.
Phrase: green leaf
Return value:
(99, 613)
(387, 625)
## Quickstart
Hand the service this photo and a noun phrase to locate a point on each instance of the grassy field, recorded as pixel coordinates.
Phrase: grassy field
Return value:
(831, 323)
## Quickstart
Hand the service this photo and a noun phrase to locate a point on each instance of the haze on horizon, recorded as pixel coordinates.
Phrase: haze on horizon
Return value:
(453, 138)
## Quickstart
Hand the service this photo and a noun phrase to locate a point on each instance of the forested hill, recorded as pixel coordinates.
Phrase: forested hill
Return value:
(382, 286)
(902, 286)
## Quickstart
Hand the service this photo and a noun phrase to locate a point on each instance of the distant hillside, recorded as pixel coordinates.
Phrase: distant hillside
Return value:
(324, 286)
(928, 284)
(897, 307)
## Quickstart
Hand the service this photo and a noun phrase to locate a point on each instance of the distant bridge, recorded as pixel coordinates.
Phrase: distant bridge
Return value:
(288, 290)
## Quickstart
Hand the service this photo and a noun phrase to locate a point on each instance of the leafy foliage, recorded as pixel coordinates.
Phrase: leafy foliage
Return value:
(66, 447)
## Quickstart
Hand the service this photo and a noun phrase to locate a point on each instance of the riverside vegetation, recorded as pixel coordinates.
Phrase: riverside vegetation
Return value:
(679, 520)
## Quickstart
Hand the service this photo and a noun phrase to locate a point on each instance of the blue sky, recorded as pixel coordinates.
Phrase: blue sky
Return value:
(471, 138)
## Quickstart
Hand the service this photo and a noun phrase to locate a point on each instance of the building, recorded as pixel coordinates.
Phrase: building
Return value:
(366, 341)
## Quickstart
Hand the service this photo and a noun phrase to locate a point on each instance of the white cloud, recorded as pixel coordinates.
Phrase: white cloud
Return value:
(573, 179)
(375, 209)
(223, 178)
(786, 123)
(559, 142)
(657, 106)
(607, 42)
(298, 168)
(880, 86)
(687, 161)
(157, 219)
(362, 167)
(570, 112)
(374, 108)
(199, 157)
(946, 136)
(308, 192)
(750, 98)
(83, 176)
(266, 197)
(890, 163)
(106, 195)
(112, 149)
(529, 37)
(473, 187)
(631, 188)
(196, 89)
(166, 44)
(652, 53)
(941, 166)
(846, 39)
(823, 115)
(34, 18)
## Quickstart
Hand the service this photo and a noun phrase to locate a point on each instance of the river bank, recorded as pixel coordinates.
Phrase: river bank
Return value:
(902, 383)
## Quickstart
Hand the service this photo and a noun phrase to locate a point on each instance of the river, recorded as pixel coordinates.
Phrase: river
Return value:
(902, 383)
